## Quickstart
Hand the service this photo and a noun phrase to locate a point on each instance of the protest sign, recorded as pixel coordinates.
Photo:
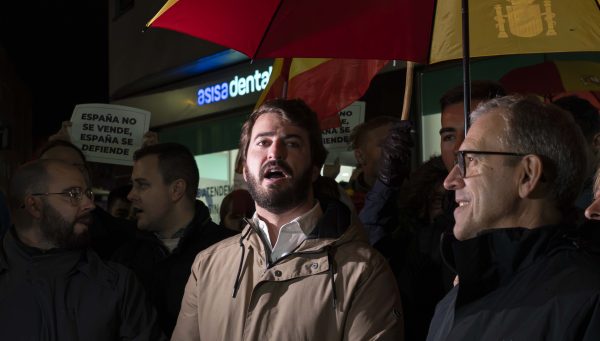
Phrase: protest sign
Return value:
(109, 133)
(337, 140)
(350, 117)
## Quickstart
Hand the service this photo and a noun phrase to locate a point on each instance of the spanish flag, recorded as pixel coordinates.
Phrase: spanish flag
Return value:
(516, 27)
(326, 85)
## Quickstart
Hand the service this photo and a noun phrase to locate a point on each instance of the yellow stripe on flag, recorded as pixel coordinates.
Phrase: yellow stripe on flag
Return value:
(275, 74)
(300, 65)
(516, 27)
(162, 10)
(579, 75)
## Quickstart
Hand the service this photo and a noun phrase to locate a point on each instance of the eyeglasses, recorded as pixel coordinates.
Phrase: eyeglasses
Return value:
(75, 195)
(461, 162)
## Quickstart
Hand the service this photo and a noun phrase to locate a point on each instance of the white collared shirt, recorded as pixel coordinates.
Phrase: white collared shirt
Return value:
(291, 234)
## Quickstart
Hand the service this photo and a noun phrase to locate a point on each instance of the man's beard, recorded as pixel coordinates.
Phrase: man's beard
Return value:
(62, 233)
(280, 198)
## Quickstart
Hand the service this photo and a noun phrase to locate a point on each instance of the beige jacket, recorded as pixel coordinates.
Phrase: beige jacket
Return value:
(334, 286)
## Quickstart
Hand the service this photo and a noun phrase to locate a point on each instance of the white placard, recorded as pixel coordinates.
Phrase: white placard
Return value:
(109, 133)
(350, 117)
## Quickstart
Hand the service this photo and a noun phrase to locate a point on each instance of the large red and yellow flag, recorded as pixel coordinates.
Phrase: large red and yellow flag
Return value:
(516, 27)
(326, 85)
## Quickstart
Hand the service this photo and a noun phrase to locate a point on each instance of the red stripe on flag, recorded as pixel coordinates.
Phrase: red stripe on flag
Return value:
(334, 85)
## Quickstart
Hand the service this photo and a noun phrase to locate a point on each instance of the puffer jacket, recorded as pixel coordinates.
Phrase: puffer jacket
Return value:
(520, 284)
(334, 286)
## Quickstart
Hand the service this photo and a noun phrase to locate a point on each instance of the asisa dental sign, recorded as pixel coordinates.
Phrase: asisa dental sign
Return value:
(238, 86)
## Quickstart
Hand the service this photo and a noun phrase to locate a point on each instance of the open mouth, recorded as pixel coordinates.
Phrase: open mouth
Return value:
(276, 170)
(274, 173)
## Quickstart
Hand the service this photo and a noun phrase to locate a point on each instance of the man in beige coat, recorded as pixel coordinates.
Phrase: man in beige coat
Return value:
(302, 268)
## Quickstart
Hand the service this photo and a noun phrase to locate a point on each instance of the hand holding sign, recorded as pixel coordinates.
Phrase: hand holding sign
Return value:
(109, 133)
(63, 134)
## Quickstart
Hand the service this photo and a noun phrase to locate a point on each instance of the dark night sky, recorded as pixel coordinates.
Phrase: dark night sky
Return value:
(60, 51)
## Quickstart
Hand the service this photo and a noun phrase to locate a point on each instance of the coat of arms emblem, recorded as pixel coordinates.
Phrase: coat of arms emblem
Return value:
(525, 18)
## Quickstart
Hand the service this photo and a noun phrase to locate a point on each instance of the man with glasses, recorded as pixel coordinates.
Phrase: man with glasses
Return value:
(519, 169)
(52, 286)
(407, 230)
(107, 234)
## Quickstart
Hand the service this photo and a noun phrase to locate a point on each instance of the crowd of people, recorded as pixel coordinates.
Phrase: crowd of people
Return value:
(495, 239)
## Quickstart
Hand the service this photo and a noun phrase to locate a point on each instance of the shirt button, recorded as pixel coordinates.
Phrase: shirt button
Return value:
(277, 273)
(314, 266)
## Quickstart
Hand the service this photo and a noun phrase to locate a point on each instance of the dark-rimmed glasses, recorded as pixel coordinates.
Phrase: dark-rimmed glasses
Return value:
(74, 194)
(459, 159)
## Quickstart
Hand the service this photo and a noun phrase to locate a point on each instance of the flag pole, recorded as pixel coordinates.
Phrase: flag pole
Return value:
(466, 63)
(408, 86)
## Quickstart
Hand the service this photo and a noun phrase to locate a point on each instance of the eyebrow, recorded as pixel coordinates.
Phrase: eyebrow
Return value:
(272, 133)
(447, 130)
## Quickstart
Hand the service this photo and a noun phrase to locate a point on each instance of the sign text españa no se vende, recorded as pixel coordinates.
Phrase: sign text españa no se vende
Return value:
(109, 133)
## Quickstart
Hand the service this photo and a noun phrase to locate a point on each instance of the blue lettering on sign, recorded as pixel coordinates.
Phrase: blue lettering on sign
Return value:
(238, 86)
(213, 93)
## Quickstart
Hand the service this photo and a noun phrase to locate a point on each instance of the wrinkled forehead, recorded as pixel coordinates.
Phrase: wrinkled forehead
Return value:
(64, 176)
(487, 132)
(271, 124)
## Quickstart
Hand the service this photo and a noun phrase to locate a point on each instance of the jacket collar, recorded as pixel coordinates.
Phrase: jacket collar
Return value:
(334, 222)
(334, 227)
(484, 262)
(201, 217)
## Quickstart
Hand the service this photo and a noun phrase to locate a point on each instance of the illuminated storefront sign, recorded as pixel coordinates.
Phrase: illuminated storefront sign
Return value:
(238, 86)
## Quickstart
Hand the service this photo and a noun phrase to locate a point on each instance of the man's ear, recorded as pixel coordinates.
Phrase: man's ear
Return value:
(33, 206)
(244, 172)
(530, 176)
(178, 188)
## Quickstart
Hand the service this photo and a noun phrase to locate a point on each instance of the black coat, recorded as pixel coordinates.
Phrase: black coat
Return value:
(520, 284)
(69, 295)
(412, 247)
(108, 233)
(164, 274)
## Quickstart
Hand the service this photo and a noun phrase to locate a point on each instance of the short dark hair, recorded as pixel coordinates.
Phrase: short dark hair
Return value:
(175, 161)
(480, 90)
(358, 135)
(296, 112)
(30, 177)
(585, 114)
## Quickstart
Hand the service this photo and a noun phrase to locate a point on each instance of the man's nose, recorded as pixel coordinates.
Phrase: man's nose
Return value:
(453, 181)
(131, 194)
(87, 203)
(593, 211)
(277, 150)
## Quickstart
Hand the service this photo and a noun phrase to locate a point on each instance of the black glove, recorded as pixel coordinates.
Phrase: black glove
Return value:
(394, 165)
